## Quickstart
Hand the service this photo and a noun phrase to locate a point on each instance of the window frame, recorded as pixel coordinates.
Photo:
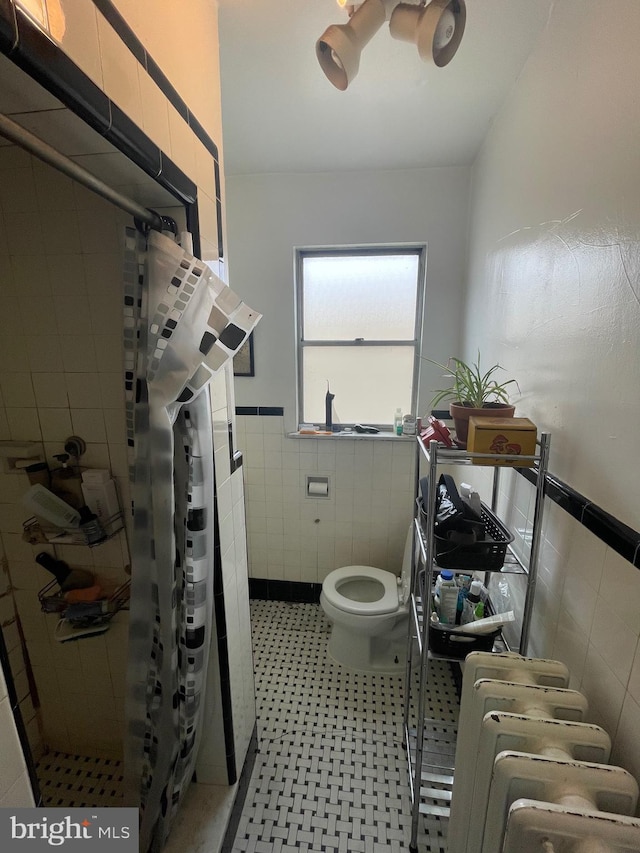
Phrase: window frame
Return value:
(419, 249)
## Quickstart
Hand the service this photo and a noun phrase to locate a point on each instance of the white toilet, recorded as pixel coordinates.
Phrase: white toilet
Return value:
(368, 609)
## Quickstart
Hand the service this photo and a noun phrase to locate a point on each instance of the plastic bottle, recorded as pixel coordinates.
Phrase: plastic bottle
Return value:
(397, 422)
(447, 598)
(408, 425)
(475, 599)
(91, 527)
(471, 497)
(475, 592)
(444, 575)
(100, 495)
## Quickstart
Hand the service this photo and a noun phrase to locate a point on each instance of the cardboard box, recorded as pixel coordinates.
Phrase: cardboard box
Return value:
(508, 436)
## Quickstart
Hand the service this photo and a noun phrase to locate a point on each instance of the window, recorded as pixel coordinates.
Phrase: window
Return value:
(359, 315)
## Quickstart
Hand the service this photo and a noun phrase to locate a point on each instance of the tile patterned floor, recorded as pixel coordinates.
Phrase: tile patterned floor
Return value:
(331, 772)
(76, 780)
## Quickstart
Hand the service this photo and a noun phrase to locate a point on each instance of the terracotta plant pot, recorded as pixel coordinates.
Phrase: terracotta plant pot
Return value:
(461, 415)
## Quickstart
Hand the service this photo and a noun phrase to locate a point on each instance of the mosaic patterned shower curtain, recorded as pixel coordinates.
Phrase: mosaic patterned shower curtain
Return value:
(181, 325)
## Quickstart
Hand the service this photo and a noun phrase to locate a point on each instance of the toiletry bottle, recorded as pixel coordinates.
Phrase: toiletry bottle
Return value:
(66, 483)
(408, 425)
(39, 473)
(66, 577)
(100, 495)
(471, 497)
(328, 407)
(447, 598)
(444, 575)
(473, 600)
(397, 422)
(91, 527)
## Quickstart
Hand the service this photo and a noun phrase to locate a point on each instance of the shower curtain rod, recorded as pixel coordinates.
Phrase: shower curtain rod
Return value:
(25, 139)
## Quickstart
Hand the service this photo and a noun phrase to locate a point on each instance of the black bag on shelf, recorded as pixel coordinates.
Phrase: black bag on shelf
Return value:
(454, 519)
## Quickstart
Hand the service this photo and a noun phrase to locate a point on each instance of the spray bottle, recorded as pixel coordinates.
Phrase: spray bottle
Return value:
(328, 401)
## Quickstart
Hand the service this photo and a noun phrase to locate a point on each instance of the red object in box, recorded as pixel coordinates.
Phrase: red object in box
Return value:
(436, 431)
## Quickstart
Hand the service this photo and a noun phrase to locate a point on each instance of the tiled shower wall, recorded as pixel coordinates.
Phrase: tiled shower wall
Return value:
(364, 521)
(15, 787)
(61, 375)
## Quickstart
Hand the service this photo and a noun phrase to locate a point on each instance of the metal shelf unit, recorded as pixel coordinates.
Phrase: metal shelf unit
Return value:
(430, 745)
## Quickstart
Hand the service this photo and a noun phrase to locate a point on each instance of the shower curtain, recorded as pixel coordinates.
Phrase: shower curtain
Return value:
(181, 325)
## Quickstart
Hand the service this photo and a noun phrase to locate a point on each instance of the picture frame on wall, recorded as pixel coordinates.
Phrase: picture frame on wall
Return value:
(243, 364)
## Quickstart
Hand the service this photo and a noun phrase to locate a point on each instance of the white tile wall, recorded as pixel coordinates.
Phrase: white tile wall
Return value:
(15, 788)
(212, 767)
(65, 342)
(365, 520)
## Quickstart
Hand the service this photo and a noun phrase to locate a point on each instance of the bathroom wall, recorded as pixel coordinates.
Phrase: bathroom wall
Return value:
(553, 294)
(364, 521)
(366, 518)
(61, 375)
(60, 256)
(15, 787)
(341, 209)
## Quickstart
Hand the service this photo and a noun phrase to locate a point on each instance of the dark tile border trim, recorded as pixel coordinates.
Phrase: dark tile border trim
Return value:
(41, 58)
(624, 540)
(8, 26)
(223, 650)
(261, 411)
(241, 793)
(293, 591)
(135, 46)
(235, 456)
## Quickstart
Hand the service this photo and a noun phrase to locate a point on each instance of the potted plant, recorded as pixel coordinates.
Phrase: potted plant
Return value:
(473, 394)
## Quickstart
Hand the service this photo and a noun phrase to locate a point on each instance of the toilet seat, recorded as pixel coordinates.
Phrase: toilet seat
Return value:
(387, 603)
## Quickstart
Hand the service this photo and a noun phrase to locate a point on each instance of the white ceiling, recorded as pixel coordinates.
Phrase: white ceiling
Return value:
(280, 113)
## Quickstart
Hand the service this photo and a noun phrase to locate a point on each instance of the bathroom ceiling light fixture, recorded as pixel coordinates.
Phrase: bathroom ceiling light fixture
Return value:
(338, 48)
(436, 28)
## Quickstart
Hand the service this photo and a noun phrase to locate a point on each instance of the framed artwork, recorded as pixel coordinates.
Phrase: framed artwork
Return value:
(243, 359)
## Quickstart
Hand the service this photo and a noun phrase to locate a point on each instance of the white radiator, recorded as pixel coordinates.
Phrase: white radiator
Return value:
(527, 682)
(535, 827)
(521, 734)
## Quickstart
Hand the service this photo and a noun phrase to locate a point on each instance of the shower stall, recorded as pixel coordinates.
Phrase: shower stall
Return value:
(86, 709)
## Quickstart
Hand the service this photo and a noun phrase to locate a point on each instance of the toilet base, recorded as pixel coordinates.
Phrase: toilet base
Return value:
(361, 653)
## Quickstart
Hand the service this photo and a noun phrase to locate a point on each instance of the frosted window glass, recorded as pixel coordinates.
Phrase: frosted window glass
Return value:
(360, 296)
(370, 383)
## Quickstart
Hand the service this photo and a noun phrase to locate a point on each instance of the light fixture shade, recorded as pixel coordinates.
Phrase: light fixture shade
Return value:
(338, 49)
(436, 29)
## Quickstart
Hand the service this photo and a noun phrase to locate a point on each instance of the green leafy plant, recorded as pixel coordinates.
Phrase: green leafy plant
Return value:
(471, 387)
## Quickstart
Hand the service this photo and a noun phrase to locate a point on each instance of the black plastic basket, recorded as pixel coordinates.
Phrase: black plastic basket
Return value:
(486, 554)
(454, 642)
